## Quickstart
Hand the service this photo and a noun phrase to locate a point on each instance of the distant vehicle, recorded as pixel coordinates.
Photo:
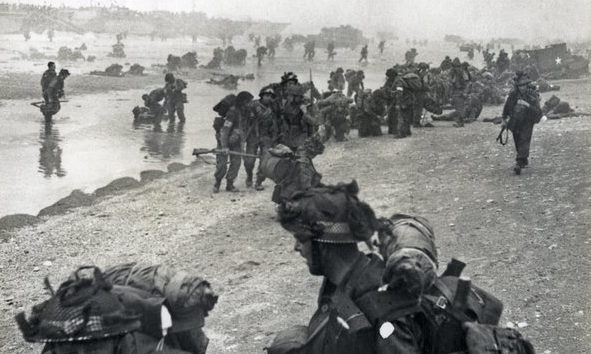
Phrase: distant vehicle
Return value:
(557, 62)
(342, 37)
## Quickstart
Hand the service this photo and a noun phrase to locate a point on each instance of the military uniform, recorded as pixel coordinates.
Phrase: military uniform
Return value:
(459, 83)
(340, 326)
(401, 112)
(369, 306)
(370, 109)
(175, 99)
(229, 138)
(261, 133)
(46, 79)
(335, 109)
(523, 106)
(153, 103)
(53, 92)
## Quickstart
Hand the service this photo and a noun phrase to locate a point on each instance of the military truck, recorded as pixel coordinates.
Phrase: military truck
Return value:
(557, 62)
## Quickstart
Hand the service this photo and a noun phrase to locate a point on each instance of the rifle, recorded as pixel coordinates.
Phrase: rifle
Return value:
(203, 151)
(500, 136)
(38, 103)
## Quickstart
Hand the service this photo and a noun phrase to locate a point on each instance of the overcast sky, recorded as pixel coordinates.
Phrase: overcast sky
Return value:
(527, 19)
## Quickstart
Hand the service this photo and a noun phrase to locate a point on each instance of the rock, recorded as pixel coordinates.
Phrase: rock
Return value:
(36, 269)
(118, 185)
(150, 175)
(522, 324)
(47, 263)
(15, 221)
(76, 199)
(176, 166)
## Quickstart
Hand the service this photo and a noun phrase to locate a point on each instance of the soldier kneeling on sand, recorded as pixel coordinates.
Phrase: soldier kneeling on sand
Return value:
(367, 305)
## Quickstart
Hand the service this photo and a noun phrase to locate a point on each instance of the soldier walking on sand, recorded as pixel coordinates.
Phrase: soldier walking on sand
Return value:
(523, 109)
(229, 138)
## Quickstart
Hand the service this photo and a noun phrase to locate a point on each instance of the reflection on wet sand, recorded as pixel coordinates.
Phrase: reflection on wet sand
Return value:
(50, 153)
(164, 145)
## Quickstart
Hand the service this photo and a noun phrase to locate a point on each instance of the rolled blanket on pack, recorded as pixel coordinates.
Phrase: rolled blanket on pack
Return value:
(188, 297)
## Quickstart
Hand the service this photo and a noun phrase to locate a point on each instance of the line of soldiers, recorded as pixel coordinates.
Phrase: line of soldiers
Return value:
(244, 126)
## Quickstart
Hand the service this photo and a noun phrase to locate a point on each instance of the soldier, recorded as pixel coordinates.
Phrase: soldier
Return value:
(48, 75)
(261, 52)
(355, 82)
(330, 51)
(175, 98)
(297, 125)
(459, 77)
(420, 95)
(401, 109)
(261, 131)
(381, 46)
(335, 109)
(410, 56)
(339, 80)
(446, 64)
(370, 109)
(364, 52)
(152, 101)
(309, 50)
(368, 305)
(503, 62)
(53, 92)
(230, 138)
(523, 108)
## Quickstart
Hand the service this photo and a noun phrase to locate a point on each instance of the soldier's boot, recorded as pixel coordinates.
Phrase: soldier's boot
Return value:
(216, 186)
(249, 180)
(517, 169)
(259, 185)
(230, 187)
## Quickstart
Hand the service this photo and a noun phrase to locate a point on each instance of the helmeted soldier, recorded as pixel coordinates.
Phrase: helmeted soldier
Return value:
(230, 138)
(371, 106)
(175, 98)
(523, 108)
(53, 92)
(335, 109)
(48, 75)
(367, 305)
(261, 129)
(402, 88)
(364, 52)
(296, 125)
(460, 78)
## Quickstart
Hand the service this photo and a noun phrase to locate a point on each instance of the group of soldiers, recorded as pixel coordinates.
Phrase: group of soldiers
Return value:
(52, 89)
(154, 111)
(278, 116)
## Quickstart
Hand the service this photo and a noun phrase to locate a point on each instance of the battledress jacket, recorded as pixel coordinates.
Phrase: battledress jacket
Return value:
(531, 113)
(339, 326)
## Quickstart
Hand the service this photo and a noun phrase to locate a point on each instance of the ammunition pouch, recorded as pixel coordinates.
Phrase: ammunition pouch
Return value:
(487, 339)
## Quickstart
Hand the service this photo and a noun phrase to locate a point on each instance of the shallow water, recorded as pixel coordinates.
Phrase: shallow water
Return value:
(92, 141)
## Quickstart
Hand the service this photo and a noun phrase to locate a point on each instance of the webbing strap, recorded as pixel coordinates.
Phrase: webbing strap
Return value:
(173, 288)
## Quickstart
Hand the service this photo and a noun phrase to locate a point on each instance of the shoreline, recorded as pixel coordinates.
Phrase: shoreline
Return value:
(77, 198)
(24, 86)
(234, 241)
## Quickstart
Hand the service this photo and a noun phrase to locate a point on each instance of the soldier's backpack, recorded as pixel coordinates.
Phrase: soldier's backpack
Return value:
(413, 82)
(454, 311)
(188, 297)
(90, 315)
